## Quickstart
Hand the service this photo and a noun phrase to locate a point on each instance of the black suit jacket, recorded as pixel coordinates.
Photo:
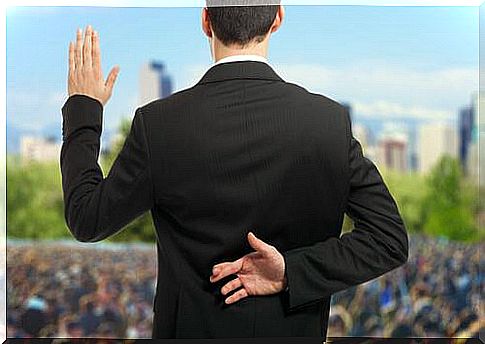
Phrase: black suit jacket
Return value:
(241, 150)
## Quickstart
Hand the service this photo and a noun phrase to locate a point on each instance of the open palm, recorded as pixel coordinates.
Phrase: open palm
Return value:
(85, 75)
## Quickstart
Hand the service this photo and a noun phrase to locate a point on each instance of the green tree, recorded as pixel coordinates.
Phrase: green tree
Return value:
(409, 190)
(450, 202)
(34, 200)
(35, 207)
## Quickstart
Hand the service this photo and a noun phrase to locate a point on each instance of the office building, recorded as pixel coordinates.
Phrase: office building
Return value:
(435, 141)
(154, 82)
(39, 149)
(472, 161)
(392, 151)
(467, 125)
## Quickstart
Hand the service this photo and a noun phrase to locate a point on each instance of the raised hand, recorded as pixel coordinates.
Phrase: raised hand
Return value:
(258, 273)
(85, 75)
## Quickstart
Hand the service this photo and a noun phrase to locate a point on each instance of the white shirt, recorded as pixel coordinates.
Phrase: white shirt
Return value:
(233, 58)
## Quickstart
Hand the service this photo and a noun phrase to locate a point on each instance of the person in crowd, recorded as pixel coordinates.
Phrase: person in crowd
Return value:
(435, 294)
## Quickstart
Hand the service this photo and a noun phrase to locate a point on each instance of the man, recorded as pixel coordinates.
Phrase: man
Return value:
(247, 178)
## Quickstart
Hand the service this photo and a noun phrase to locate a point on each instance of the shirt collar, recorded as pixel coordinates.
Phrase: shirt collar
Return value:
(240, 70)
(233, 58)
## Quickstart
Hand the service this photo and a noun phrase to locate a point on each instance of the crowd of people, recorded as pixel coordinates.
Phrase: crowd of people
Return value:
(102, 290)
(435, 294)
(58, 290)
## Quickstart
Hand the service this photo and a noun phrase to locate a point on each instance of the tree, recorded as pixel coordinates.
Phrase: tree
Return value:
(449, 204)
(34, 200)
(409, 190)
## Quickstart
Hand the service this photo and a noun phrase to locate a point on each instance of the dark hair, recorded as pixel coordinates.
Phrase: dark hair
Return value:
(240, 25)
(89, 307)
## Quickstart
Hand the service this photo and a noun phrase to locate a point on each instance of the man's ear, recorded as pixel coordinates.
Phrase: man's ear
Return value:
(206, 26)
(278, 19)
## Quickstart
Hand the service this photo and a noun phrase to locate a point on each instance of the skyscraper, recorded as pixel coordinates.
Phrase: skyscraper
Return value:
(392, 151)
(413, 146)
(154, 82)
(435, 141)
(467, 124)
(471, 163)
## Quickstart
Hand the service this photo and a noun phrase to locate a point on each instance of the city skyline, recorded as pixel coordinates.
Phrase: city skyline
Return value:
(418, 147)
(396, 146)
(396, 64)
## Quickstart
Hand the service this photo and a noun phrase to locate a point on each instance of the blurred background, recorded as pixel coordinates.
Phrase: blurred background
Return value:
(409, 76)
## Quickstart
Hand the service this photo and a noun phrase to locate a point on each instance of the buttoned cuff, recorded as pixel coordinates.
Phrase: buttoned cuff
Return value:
(81, 111)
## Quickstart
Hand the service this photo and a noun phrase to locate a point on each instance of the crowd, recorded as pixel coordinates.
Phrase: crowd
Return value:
(79, 291)
(435, 294)
(60, 290)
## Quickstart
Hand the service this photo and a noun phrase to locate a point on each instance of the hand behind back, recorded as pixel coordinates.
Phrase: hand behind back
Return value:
(258, 273)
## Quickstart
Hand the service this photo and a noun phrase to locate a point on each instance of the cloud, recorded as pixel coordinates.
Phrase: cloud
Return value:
(190, 75)
(381, 89)
(31, 110)
(384, 109)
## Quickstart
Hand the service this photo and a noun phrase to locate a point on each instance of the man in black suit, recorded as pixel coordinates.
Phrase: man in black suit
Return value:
(247, 177)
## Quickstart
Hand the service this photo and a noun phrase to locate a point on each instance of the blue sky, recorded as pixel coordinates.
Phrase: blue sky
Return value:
(386, 61)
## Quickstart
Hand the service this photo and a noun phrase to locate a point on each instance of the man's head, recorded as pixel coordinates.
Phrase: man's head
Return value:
(240, 29)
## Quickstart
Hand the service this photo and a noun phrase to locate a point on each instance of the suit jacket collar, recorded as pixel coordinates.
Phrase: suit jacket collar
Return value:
(239, 70)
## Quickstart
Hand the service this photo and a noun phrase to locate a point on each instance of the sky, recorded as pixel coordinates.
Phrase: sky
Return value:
(387, 62)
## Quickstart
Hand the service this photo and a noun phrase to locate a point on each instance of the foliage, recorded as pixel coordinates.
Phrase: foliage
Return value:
(443, 203)
(450, 202)
(34, 200)
(409, 192)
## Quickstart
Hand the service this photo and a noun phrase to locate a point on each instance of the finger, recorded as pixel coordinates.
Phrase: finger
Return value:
(258, 244)
(110, 81)
(227, 269)
(72, 65)
(87, 60)
(96, 53)
(238, 295)
(78, 57)
(231, 285)
(218, 267)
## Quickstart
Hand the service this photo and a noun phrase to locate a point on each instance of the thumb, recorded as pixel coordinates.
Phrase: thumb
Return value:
(256, 243)
(110, 80)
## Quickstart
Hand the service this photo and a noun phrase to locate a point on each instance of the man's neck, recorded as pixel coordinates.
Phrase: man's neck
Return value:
(222, 51)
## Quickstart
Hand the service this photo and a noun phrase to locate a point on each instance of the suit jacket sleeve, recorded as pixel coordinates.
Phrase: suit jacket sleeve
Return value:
(96, 207)
(377, 244)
